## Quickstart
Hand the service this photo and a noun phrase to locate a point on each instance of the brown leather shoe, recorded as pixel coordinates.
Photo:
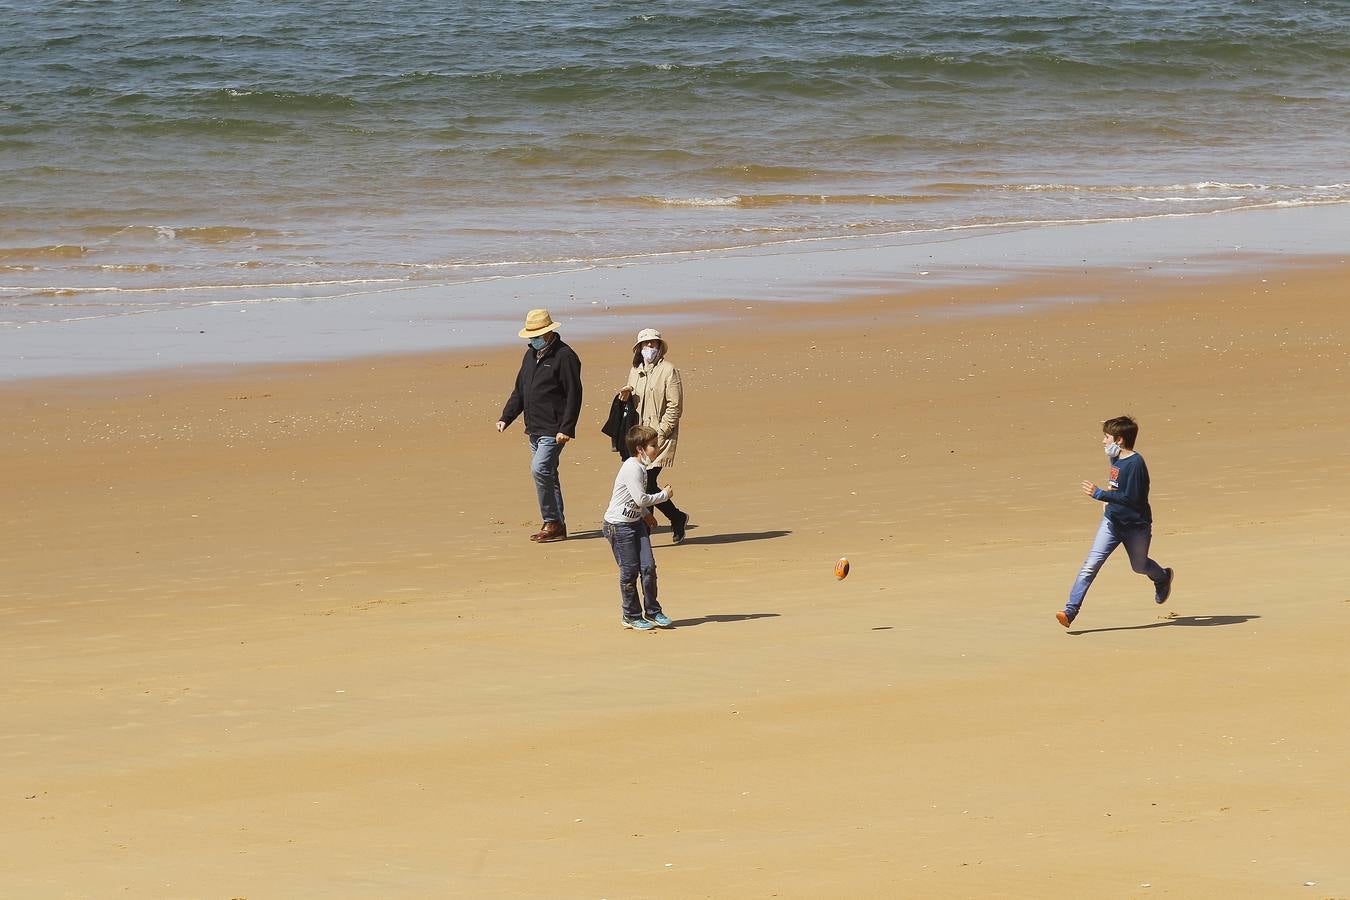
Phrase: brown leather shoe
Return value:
(540, 533)
(553, 531)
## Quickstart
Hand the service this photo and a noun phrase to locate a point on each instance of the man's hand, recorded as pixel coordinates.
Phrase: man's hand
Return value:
(501, 426)
(1090, 489)
(670, 492)
(625, 392)
(561, 438)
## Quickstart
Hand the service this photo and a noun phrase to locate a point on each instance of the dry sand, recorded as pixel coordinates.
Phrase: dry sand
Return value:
(281, 634)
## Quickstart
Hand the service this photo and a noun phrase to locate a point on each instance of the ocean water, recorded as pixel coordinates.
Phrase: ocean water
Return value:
(163, 154)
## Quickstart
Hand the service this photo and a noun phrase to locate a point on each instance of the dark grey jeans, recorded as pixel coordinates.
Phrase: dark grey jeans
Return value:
(632, 546)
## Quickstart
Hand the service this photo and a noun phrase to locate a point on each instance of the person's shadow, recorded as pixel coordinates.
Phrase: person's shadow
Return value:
(1205, 621)
(584, 535)
(705, 539)
(734, 538)
(723, 617)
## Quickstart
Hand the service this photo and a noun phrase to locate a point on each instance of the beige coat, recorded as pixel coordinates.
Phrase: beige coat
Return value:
(659, 396)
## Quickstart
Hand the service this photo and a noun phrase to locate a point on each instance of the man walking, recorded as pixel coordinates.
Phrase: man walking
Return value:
(548, 391)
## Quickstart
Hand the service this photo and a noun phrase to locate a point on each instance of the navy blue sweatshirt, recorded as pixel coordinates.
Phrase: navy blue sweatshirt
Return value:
(1127, 500)
(548, 391)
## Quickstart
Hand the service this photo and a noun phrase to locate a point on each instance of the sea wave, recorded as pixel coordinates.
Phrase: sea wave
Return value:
(212, 234)
(194, 125)
(1194, 62)
(683, 201)
(754, 201)
(216, 234)
(756, 172)
(1208, 189)
(753, 17)
(289, 101)
(538, 155)
(54, 251)
(185, 289)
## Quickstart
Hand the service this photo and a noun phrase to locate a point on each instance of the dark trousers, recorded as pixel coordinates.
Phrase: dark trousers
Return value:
(669, 507)
(632, 546)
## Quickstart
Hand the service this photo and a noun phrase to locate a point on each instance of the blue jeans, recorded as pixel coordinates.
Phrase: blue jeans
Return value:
(632, 546)
(544, 468)
(1109, 537)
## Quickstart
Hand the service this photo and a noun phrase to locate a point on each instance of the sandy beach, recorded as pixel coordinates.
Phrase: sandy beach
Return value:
(281, 633)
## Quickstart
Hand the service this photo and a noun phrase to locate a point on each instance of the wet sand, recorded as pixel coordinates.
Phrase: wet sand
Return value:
(281, 632)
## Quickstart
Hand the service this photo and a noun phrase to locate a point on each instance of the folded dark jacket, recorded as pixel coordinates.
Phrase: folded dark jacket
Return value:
(622, 416)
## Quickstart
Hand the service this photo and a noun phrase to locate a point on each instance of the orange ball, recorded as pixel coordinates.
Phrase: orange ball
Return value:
(841, 568)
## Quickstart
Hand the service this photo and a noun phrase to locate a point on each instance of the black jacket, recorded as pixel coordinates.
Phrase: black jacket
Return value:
(548, 391)
(622, 416)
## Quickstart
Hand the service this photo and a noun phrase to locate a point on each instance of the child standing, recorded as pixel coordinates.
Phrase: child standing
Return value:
(629, 535)
(1128, 519)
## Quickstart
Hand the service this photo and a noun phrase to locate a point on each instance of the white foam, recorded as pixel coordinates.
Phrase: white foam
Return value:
(1310, 190)
(1185, 199)
(695, 201)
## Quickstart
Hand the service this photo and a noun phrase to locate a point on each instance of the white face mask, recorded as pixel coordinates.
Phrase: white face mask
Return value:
(1113, 450)
(649, 354)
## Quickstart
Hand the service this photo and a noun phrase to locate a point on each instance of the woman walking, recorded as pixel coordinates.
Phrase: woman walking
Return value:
(654, 384)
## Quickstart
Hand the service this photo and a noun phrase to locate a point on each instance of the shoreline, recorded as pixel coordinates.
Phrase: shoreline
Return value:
(1027, 295)
(604, 299)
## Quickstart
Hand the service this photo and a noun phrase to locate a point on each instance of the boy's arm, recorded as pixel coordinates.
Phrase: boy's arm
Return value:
(637, 487)
(1133, 484)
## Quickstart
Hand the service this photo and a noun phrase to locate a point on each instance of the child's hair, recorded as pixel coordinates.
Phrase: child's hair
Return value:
(639, 436)
(1120, 427)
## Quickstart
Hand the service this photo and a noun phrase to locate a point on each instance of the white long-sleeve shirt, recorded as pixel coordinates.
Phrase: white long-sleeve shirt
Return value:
(630, 494)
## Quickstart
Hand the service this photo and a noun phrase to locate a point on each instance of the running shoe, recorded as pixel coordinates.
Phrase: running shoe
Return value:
(1163, 591)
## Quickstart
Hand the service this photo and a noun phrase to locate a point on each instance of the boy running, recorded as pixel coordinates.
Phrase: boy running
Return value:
(1128, 519)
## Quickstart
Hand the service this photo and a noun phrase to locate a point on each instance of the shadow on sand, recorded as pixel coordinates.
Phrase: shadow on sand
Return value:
(705, 539)
(597, 533)
(1179, 620)
(735, 538)
(723, 617)
(584, 535)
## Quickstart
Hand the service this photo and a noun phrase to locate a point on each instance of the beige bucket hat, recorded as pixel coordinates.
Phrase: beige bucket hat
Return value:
(538, 322)
(645, 335)
(649, 334)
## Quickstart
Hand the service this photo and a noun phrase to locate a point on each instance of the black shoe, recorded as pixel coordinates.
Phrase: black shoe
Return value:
(1163, 591)
(677, 525)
